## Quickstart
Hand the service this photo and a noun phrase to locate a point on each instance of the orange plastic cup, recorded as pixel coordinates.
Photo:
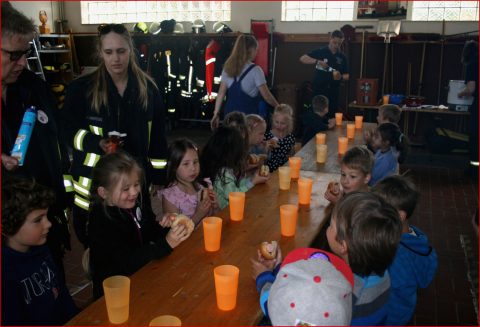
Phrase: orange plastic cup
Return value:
(226, 286)
(237, 205)
(338, 118)
(284, 178)
(304, 190)
(117, 298)
(350, 131)
(288, 219)
(321, 153)
(295, 165)
(212, 233)
(358, 122)
(320, 138)
(165, 320)
(342, 145)
(386, 98)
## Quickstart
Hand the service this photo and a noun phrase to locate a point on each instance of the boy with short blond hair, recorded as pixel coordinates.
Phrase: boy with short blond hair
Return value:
(415, 262)
(355, 172)
(32, 293)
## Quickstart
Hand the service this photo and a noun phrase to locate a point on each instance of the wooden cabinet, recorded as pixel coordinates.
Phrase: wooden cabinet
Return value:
(56, 57)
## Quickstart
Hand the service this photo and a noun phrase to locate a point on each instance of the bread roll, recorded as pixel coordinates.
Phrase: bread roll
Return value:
(183, 220)
(264, 171)
(334, 188)
(269, 250)
(253, 159)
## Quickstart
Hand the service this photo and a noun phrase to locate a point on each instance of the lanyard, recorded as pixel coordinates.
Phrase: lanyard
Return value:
(137, 224)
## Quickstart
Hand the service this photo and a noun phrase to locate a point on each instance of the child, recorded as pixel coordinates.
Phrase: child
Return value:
(416, 262)
(355, 170)
(316, 120)
(223, 160)
(315, 288)
(280, 137)
(390, 147)
(32, 293)
(365, 232)
(238, 120)
(387, 113)
(183, 193)
(123, 233)
(256, 132)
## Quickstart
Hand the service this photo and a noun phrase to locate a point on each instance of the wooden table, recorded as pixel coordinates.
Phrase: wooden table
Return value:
(332, 165)
(460, 123)
(183, 285)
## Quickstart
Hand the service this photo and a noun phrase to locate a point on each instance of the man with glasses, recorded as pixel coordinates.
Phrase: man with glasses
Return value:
(46, 158)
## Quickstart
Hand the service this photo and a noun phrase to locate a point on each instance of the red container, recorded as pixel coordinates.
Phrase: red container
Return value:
(414, 101)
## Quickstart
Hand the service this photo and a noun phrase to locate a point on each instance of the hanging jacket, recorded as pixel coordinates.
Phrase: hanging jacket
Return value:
(85, 128)
(210, 58)
(238, 100)
(414, 266)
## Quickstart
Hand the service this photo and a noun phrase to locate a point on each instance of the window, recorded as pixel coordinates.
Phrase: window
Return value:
(98, 12)
(317, 10)
(448, 10)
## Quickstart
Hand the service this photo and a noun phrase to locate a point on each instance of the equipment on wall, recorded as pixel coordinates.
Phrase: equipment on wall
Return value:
(154, 28)
(367, 90)
(140, 27)
(178, 28)
(198, 26)
(387, 29)
(221, 27)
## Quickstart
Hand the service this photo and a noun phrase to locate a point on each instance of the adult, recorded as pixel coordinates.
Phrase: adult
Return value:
(242, 81)
(21, 89)
(117, 97)
(331, 69)
(470, 60)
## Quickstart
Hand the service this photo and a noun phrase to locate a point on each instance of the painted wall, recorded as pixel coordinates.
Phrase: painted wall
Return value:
(242, 12)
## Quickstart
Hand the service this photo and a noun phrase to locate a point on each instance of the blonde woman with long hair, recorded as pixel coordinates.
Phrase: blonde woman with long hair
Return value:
(242, 81)
(117, 97)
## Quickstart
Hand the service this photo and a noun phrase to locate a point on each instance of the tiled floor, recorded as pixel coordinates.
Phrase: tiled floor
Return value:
(449, 200)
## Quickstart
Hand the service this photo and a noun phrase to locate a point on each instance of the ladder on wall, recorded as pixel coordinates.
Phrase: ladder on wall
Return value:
(33, 62)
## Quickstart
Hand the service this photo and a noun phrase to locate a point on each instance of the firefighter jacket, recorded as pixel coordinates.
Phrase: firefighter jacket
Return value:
(84, 128)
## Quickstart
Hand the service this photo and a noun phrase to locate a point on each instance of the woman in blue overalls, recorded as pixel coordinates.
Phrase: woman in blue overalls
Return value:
(243, 80)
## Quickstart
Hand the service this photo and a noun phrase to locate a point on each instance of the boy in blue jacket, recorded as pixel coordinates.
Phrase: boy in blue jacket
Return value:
(416, 262)
(32, 293)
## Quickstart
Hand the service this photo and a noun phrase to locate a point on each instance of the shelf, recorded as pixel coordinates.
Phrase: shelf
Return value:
(54, 51)
(58, 36)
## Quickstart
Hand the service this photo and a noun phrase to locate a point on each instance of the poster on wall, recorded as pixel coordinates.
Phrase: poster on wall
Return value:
(382, 10)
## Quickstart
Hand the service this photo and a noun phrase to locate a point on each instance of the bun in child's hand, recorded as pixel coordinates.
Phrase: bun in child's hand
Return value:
(203, 193)
(183, 220)
(273, 143)
(334, 188)
(253, 159)
(269, 250)
(264, 171)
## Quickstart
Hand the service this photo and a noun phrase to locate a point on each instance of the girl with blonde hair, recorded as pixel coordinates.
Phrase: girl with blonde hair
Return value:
(280, 137)
(242, 81)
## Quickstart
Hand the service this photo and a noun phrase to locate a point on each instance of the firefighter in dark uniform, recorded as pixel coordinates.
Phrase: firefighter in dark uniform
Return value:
(118, 97)
(331, 68)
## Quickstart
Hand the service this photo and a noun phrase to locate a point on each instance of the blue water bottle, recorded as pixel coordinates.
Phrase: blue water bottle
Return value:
(20, 147)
